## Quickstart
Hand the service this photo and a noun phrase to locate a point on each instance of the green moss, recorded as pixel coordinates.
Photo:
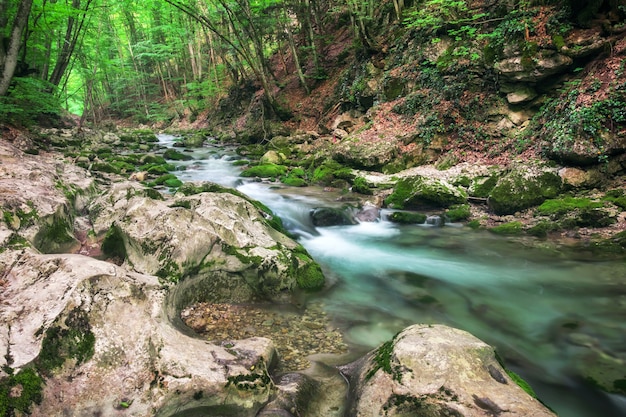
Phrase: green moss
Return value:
(559, 207)
(474, 224)
(418, 192)
(383, 360)
(173, 182)
(361, 186)
(53, 236)
(542, 229)
(265, 171)
(163, 179)
(481, 187)
(181, 203)
(174, 155)
(458, 212)
(404, 217)
(30, 387)
(516, 192)
(309, 276)
(616, 197)
(522, 384)
(511, 228)
(113, 244)
(74, 340)
(170, 272)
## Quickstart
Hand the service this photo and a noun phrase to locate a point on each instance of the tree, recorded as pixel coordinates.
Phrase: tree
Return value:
(9, 56)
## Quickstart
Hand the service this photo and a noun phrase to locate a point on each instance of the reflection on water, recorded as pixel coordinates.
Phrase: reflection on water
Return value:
(554, 318)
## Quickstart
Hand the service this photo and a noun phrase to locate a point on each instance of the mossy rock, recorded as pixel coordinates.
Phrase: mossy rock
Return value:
(310, 276)
(295, 178)
(163, 179)
(173, 182)
(72, 340)
(421, 192)
(616, 197)
(521, 189)
(113, 244)
(577, 212)
(174, 155)
(105, 167)
(458, 212)
(195, 140)
(561, 206)
(265, 171)
(19, 391)
(56, 235)
(481, 186)
(543, 228)
(511, 228)
(330, 171)
(405, 217)
(330, 216)
(361, 186)
(152, 159)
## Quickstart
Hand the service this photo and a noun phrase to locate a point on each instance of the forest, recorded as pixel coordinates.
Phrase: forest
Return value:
(157, 60)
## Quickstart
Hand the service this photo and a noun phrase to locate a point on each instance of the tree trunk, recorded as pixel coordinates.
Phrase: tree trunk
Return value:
(8, 58)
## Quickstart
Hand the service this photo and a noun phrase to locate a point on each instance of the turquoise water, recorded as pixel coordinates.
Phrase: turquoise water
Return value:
(552, 314)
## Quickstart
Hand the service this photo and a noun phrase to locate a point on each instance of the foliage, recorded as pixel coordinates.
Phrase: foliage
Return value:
(27, 101)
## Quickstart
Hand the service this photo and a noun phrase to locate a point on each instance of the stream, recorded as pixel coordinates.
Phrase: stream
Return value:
(550, 313)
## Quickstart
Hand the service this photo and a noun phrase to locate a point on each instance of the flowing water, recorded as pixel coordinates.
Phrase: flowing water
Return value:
(551, 313)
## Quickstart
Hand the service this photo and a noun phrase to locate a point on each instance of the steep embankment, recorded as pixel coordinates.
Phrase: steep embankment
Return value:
(478, 83)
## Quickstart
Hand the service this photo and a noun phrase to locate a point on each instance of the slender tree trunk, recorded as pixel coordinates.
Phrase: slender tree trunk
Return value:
(294, 52)
(8, 57)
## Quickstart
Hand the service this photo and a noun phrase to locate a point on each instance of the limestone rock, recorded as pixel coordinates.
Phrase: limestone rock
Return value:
(138, 358)
(422, 192)
(524, 187)
(521, 95)
(35, 191)
(435, 370)
(580, 178)
(534, 69)
(212, 234)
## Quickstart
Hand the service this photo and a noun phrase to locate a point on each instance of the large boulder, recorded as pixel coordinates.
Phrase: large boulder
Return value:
(434, 370)
(106, 343)
(423, 192)
(523, 187)
(39, 196)
(219, 236)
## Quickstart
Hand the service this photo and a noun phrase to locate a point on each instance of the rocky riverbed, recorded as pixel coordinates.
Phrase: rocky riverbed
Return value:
(296, 334)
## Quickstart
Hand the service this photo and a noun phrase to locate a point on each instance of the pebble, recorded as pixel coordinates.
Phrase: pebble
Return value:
(295, 336)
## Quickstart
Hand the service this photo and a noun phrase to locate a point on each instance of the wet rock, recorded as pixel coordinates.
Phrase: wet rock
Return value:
(435, 221)
(330, 216)
(436, 370)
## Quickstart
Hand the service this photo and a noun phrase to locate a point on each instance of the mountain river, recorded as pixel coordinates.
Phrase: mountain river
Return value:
(550, 313)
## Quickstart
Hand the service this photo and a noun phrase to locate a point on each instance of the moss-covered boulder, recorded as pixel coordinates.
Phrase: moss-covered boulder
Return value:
(434, 370)
(406, 217)
(524, 187)
(422, 192)
(175, 155)
(331, 216)
(220, 239)
(265, 171)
